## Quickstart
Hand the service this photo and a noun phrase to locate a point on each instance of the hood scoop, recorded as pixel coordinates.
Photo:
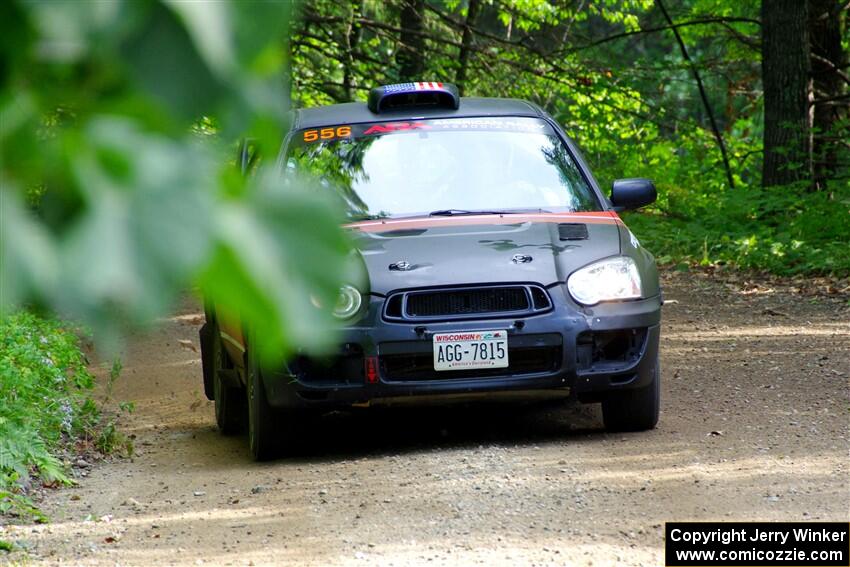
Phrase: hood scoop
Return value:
(403, 232)
(572, 231)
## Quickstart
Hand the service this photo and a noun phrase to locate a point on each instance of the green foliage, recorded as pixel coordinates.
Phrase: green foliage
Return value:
(109, 439)
(611, 72)
(782, 231)
(119, 122)
(44, 405)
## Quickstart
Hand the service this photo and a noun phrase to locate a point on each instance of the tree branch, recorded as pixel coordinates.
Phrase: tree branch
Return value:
(833, 68)
(458, 24)
(745, 39)
(702, 93)
(553, 73)
(831, 99)
(671, 26)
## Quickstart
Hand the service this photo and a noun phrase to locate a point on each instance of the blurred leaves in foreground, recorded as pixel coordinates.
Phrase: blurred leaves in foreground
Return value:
(113, 200)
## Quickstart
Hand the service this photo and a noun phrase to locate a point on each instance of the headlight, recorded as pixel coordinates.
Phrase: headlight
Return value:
(608, 280)
(348, 303)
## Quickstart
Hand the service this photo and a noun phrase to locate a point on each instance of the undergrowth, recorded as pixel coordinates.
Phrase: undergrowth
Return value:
(47, 410)
(782, 231)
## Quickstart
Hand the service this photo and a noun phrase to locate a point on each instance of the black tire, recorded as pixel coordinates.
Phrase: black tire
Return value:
(265, 434)
(634, 410)
(205, 334)
(230, 404)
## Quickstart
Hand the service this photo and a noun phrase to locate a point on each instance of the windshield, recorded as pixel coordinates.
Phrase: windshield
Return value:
(457, 165)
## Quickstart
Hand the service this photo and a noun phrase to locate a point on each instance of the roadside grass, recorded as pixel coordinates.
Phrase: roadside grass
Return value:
(786, 233)
(48, 413)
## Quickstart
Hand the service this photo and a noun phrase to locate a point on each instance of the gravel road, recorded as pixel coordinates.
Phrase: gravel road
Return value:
(754, 426)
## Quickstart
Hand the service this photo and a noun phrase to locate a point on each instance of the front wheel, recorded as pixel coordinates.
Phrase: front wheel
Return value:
(634, 410)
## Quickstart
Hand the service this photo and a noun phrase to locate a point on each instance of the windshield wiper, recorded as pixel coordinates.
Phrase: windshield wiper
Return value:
(459, 212)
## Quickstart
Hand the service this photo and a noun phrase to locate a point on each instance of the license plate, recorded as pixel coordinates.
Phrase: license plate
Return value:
(470, 350)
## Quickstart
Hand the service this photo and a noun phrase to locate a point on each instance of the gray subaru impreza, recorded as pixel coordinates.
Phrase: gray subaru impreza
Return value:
(496, 265)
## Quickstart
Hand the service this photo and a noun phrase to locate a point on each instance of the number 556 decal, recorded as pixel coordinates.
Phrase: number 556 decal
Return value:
(325, 134)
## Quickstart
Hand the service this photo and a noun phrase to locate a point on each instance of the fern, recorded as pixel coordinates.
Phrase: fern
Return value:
(45, 404)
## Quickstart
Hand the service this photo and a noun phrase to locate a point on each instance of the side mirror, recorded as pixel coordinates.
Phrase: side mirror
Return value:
(627, 194)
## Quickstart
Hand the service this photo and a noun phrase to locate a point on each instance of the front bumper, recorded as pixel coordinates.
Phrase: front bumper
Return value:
(583, 352)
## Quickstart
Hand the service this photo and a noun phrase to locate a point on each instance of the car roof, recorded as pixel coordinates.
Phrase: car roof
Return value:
(358, 112)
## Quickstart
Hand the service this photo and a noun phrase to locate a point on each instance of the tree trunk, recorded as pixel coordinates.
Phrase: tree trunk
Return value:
(465, 44)
(785, 76)
(351, 38)
(826, 25)
(411, 53)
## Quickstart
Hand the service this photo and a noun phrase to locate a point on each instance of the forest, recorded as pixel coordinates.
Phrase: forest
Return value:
(737, 110)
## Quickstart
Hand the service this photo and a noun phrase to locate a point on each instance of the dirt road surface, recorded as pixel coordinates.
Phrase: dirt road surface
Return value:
(754, 427)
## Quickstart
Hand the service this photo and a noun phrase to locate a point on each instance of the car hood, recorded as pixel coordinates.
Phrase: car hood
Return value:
(480, 249)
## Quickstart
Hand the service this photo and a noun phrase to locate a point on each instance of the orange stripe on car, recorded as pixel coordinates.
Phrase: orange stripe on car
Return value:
(386, 225)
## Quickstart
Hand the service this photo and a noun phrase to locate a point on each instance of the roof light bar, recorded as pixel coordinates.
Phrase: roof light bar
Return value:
(423, 93)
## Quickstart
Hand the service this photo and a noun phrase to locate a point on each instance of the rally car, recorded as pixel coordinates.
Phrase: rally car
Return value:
(496, 267)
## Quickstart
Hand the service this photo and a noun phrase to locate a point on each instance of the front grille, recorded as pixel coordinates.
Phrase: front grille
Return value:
(409, 361)
(459, 303)
(466, 302)
(540, 298)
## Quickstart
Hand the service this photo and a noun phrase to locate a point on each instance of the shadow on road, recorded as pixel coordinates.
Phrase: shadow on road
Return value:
(398, 430)
(375, 432)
